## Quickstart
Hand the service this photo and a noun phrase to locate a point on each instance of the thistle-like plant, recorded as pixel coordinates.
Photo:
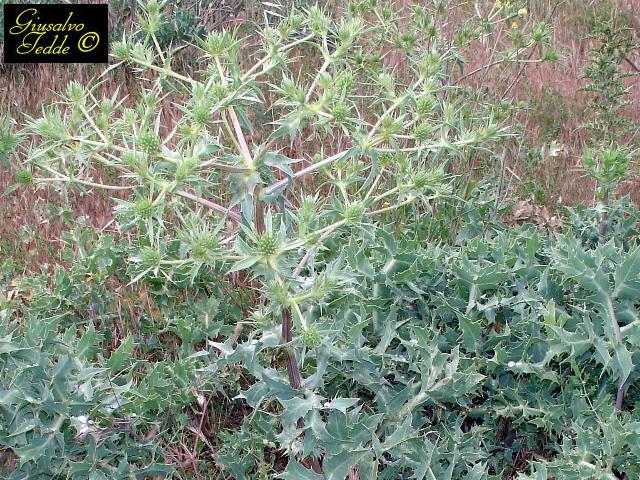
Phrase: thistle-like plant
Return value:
(608, 155)
(282, 159)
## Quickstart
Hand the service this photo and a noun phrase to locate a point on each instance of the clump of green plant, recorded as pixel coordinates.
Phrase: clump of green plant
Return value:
(360, 347)
(608, 155)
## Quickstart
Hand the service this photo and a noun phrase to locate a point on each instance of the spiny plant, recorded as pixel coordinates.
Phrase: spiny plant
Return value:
(389, 132)
(608, 155)
(313, 188)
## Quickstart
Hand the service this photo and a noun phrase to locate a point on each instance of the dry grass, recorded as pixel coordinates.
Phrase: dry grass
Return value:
(553, 92)
(557, 107)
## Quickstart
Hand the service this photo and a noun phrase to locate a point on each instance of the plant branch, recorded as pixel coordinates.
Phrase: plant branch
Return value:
(213, 206)
(281, 183)
(313, 249)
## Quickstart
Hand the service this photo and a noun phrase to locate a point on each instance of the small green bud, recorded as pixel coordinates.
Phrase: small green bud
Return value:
(149, 257)
(490, 131)
(149, 142)
(24, 177)
(292, 90)
(353, 212)
(422, 132)
(153, 7)
(217, 43)
(185, 169)
(278, 293)
(340, 112)
(129, 158)
(121, 51)
(106, 106)
(390, 126)
(432, 180)
(201, 113)
(310, 338)
(344, 81)
(431, 65)
(267, 245)
(203, 247)
(129, 116)
(150, 100)
(550, 56)
(75, 92)
(318, 21)
(425, 105)
(387, 83)
(218, 92)
(144, 208)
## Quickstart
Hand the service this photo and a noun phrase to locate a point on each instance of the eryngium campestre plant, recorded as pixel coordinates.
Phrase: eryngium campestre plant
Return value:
(306, 164)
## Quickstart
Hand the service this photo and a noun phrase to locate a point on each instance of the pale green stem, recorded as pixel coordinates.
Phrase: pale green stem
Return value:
(392, 207)
(280, 183)
(207, 203)
(169, 73)
(244, 148)
(324, 66)
(374, 184)
(155, 42)
(64, 178)
(93, 125)
(282, 49)
(311, 251)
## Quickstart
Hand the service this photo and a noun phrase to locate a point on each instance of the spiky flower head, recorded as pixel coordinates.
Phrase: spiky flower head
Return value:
(292, 90)
(488, 132)
(319, 22)
(422, 132)
(267, 245)
(202, 112)
(340, 112)
(149, 142)
(277, 293)
(290, 24)
(129, 158)
(204, 246)
(106, 105)
(218, 92)
(425, 105)
(129, 116)
(390, 126)
(434, 180)
(431, 64)
(310, 337)
(144, 208)
(75, 92)
(387, 83)
(24, 177)
(217, 43)
(185, 169)
(149, 257)
(352, 213)
(324, 284)
(344, 81)
(121, 51)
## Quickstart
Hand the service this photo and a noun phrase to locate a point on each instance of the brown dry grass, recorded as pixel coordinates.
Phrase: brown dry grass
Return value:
(556, 105)
(553, 92)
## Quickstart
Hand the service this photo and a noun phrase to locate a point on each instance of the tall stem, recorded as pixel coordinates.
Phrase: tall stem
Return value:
(292, 363)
